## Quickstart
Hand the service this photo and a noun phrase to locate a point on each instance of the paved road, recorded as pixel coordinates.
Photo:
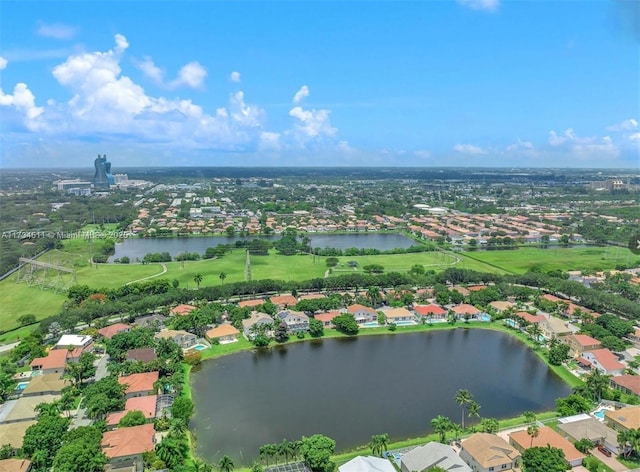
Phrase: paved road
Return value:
(80, 418)
(8, 347)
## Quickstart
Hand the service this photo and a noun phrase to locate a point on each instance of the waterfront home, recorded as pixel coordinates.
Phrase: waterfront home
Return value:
(367, 464)
(296, 321)
(252, 324)
(147, 405)
(327, 318)
(546, 437)
(527, 317)
(433, 454)
(46, 384)
(553, 327)
(485, 452)
(629, 384)
(53, 363)
(111, 330)
(224, 333)
(182, 309)
(124, 447)
(182, 338)
(362, 314)
(398, 315)
(139, 385)
(464, 310)
(431, 312)
(501, 305)
(624, 419)
(605, 361)
(581, 343)
(593, 430)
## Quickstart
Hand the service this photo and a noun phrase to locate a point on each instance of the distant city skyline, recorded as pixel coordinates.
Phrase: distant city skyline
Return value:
(478, 83)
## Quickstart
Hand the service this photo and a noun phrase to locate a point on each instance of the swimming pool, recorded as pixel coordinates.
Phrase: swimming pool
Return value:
(21, 386)
(370, 324)
(200, 347)
(599, 413)
(405, 323)
(485, 317)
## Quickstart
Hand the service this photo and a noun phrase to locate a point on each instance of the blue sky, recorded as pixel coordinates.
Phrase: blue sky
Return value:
(320, 83)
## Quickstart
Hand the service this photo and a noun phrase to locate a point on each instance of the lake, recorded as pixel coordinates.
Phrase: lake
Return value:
(352, 388)
(138, 247)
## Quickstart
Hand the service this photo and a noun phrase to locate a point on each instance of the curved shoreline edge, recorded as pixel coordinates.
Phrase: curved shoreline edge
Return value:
(344, 456)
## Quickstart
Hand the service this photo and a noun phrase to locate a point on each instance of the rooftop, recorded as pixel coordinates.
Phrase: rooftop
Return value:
(124, 442)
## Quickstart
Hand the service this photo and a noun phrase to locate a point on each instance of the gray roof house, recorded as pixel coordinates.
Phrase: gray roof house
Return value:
(425, 457)
(256, 319)
(295, 320)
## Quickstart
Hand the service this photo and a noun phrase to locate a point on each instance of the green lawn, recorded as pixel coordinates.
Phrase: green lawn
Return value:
(522, 260)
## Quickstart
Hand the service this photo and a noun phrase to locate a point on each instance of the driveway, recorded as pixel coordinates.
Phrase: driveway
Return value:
(101, 367)
(610, 461)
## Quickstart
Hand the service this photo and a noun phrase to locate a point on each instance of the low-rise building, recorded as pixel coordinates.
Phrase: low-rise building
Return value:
(521, 440)
(296, 321)
(431, 455)
(629, 384)
(46, 384)
(367, 464)
(254, 322)
(124, 447)
(53, 363)
(148, 405)
(139, 385)
(15, 465)
(142, 354)
(111, 330)
(398, 315)
(182, 338)
(182, 309)
(13, 433)
(580, 343)
(485, 452)
(430, 312)
(83, 342)
(327, 318)
(605, 361)
(224, 333)
(624, 419)
(593, 430)
(363, 314)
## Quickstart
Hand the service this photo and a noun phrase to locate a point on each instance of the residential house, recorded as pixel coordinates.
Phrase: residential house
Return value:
(363, 314)
(312, 296)
(296, 321)
(593, 430)
(141, 354)
(284, 301)
(53, 363)
(327, 318)
(251, 303)
(46, 384)
(15, 465)
(485, 452)
(148, 405)
(182, 309)
(124, 447)
(464, 291)
(501, 305)
(431, 312)
(522, 441)
(83, 342)
(155, 321)
(605, 361)
(580, 343)
(464, 311)
(529, 318)
(553, 327)
(182, 338)
(624, 419)
(139, 385)
(110, 331)
(251, 324)
(367, 464)
(13, 433)
(399, 315)
(23, 409)
(224, 333)
(430, 455)
(629, 384)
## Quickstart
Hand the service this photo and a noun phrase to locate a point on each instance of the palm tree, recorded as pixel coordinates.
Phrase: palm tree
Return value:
(535, 332)
(283, 449)
(474, 409)
(597, 382)
(295, 448)
(463, 397)
(374, 445)
(533, 430)
(201, 466)
(373, 294)
(197, 279)
(226, 464)
(529, 417)
(222, 277)
(384, 440)
(441, 424)
(457, 430)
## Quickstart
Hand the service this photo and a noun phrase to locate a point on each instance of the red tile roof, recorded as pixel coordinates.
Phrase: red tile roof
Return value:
(146, 404)
(355, 308)
(632, 382)
(547, 436)
(429, 310)
(222, 330)
(551, 298)
(325, 317)
(250, 303)
(139, 382)
(465, 309)
(585, 340)
(531, 318)
(56, 359)
(124, 442)
(288, 300)
(110, 331)
(183, 309)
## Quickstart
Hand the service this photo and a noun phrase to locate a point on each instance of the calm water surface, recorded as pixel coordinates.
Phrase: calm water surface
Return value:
(138, 247)
(349, 389)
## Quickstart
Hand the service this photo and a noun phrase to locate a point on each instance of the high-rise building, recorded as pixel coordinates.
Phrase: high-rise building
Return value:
(102, 178)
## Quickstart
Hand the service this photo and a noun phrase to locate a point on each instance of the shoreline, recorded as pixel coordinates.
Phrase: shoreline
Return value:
(341, 457)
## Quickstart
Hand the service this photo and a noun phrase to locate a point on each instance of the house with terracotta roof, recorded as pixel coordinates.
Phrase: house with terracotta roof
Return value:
(362, 314)
(182, 309)
(327, 318)
(124, 447)
(148, 405)
(501, 305)
(605, 361)
(250, 303)
(296, 321)
(629, 384)
(15, 465)
(529, 318)
(110, 331)
(581, 343)
(53, 363)
(284, 301)
(623, 419)
(521, 441)
(139, 385)
(399, 315)
(464, 291)
(430, 312)
(485, 452)
(224, 333)
(465, 310)
(551, 298)
(142, 354)
(312, 296)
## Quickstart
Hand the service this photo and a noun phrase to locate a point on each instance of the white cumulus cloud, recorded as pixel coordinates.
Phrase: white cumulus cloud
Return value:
(469, 149)
(23, 101)
(301, 94)
(583, 146)
(3, 63)
(626, 125)
(56, 31)
(150, 70)
(192, 75)
(234, 77)
(486, 5)
(634, 137)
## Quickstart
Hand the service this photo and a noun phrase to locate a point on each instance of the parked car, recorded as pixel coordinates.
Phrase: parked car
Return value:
(604, 450)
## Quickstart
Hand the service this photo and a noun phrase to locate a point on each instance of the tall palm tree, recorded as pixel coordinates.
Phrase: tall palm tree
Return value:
(374, 445)
(384, 441)
(441, 425)
(457, 430)
(529, 417)
(533, 430)
(474, 409)
(197, 279)
(597, 382)
(222, 277)
(283, 449)
(226, 464)
(535, 331)
(373, 294)
(463, 397)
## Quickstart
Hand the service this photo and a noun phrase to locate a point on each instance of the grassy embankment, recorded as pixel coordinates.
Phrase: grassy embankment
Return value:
(344, 456)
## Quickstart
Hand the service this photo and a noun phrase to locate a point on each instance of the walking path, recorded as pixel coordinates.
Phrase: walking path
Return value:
(164, 271)
(8, 347)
